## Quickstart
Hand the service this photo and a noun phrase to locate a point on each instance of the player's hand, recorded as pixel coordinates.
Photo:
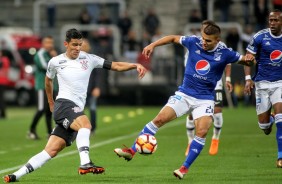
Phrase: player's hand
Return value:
(250, 60)
(141, 70)
(148, 50)
(229, 86)
(96, 92)
(248, 87)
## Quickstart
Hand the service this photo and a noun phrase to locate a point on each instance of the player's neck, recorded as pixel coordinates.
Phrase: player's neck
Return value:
(68, 56)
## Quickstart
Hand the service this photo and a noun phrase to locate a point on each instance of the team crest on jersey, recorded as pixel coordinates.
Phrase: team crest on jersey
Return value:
(202, 67)
(276, 57)
(84, 64)
(217, 56)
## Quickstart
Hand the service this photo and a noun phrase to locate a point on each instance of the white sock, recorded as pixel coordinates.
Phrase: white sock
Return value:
(218, 122)
(34, 163)
(82, 143)
(190, 127)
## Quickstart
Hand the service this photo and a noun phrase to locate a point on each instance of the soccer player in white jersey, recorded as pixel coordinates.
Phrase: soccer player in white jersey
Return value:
(206, 63)
(266, 46)
(73, 69)
(218, 118)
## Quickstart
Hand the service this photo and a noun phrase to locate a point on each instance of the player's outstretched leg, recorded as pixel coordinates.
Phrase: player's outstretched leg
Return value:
(128, 153)
(190, 127)
(34, 163)
(278, 121)
(195, 149)
(218, 122)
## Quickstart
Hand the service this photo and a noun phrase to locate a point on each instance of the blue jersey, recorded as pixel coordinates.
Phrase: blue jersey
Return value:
(268, 50)
(204, 68)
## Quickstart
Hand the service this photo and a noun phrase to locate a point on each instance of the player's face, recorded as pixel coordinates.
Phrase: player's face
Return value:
(73, 48)
(209, 41)
(48, 44)
(275, 23)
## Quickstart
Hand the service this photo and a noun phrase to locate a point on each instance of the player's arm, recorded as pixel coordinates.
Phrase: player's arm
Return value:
(124, 66)
(49, 92)
(228, 78)
(249, 85)
(147, 51)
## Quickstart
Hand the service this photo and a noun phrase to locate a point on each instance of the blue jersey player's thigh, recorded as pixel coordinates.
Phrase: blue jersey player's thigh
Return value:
(275, 96)
(203, 108)
(179, 103)
(263, 103)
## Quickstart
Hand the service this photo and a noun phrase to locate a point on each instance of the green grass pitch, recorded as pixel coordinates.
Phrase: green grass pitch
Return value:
(245, 155)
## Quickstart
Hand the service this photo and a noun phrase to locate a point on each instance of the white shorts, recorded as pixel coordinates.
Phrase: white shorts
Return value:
(184, 104)
(266, 97)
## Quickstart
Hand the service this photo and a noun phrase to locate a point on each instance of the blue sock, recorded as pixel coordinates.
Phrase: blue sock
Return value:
(149, 128)
(196, 147)
(278, 121)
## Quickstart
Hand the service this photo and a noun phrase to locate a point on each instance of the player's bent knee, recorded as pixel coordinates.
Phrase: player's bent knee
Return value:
(55, 145)
(202, 132)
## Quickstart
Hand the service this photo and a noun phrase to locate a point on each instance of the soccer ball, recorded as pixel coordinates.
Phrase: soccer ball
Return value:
(146, 144)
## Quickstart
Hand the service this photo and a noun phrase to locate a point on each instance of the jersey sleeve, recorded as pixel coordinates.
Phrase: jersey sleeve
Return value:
(252, 46)
(51, 69)
(98, 62)
(233, 56)
(184, 40)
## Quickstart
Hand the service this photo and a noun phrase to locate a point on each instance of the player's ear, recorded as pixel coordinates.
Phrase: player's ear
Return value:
(66, 44)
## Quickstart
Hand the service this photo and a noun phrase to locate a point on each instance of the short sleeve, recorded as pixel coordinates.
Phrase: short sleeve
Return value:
(51, 70)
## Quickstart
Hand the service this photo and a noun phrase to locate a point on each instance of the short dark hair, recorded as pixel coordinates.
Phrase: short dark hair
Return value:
(212, 29)
(276, 11)
(73, 34)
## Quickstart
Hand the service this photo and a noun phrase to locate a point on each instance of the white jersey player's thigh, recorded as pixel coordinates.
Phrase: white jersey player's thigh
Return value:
(263, 103)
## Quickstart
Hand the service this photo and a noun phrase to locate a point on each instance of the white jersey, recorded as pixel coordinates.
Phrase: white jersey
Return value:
(73, 75)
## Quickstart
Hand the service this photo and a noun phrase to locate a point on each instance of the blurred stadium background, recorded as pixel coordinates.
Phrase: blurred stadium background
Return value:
(105, 24)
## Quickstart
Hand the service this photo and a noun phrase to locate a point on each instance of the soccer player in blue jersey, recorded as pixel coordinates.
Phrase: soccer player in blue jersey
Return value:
(217, 117)
(206, 63)
(266, 46)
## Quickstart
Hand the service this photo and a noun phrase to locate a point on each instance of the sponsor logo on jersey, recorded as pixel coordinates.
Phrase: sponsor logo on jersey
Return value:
(82, 57)
(202, 67)
(198, 52)
(267, 43)
(62, 61)
(276, 56)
